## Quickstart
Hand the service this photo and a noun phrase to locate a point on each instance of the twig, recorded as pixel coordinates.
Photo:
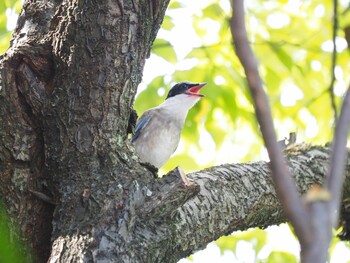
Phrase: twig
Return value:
(334, 59)
(286, 190)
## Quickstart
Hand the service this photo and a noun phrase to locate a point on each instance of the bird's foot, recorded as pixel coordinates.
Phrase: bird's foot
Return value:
(185, 180)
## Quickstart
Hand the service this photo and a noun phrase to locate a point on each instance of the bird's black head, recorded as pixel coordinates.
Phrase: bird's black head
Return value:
(186, 87)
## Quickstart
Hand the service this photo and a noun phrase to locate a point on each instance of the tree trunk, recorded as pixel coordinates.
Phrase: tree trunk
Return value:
(69, 176)
(68, 86)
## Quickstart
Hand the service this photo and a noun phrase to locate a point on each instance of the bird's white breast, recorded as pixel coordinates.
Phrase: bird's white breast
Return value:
(159, 140)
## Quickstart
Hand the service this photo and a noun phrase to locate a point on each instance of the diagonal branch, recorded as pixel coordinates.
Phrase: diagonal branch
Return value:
(338, 159)
(285, 187)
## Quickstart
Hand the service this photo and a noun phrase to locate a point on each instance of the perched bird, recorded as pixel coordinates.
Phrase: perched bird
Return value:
(158, 130)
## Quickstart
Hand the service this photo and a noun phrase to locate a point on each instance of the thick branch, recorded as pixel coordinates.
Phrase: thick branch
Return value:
(232, 197)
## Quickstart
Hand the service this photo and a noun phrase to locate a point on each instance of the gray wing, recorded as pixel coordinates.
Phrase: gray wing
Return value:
(140, 125)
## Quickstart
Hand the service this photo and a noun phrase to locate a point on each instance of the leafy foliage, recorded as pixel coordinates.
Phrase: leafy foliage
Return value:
(9, 241)
(8, 13)
(257, 236)
(292, 41)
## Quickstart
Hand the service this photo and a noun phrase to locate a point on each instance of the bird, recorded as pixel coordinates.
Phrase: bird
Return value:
(158, 130)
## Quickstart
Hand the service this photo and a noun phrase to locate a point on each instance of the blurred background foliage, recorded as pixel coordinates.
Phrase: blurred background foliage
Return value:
(9, 241)
(292, 39)
(9, 10)
(293, 42)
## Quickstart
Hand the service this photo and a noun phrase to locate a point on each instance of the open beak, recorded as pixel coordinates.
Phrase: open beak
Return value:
(193, 91)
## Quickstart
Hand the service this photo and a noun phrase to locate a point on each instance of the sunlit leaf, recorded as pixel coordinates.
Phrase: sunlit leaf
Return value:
(281, 256)
(174, 4)
(164, 49)
(167, 23)
(285, 58)
(229, 242)
(213, 11)
(187, 162)
(149, 97)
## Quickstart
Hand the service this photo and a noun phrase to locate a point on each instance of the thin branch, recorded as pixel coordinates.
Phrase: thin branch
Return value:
(334, 59)
(335, 176)
(285, 186)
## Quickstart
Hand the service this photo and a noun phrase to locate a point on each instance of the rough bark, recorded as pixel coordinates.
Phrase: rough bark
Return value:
(68, 85)
(69, 176)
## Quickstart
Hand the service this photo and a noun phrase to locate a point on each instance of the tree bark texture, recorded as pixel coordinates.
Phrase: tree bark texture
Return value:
(68, 83)
(68, 174)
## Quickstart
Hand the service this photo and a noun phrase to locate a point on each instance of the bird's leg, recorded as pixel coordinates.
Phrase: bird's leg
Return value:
(185, 180)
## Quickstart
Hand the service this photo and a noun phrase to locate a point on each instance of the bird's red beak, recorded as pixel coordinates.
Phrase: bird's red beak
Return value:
(193, 91)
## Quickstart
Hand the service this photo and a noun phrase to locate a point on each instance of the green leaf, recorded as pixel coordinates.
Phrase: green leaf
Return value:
(186, 162)
(272, 78)
(284, 58)
(281, 256)
(174, 5)
(149, 97)
(257, 237)
(9, 251)
(213, 11)
(163, 48)
(167, 23)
